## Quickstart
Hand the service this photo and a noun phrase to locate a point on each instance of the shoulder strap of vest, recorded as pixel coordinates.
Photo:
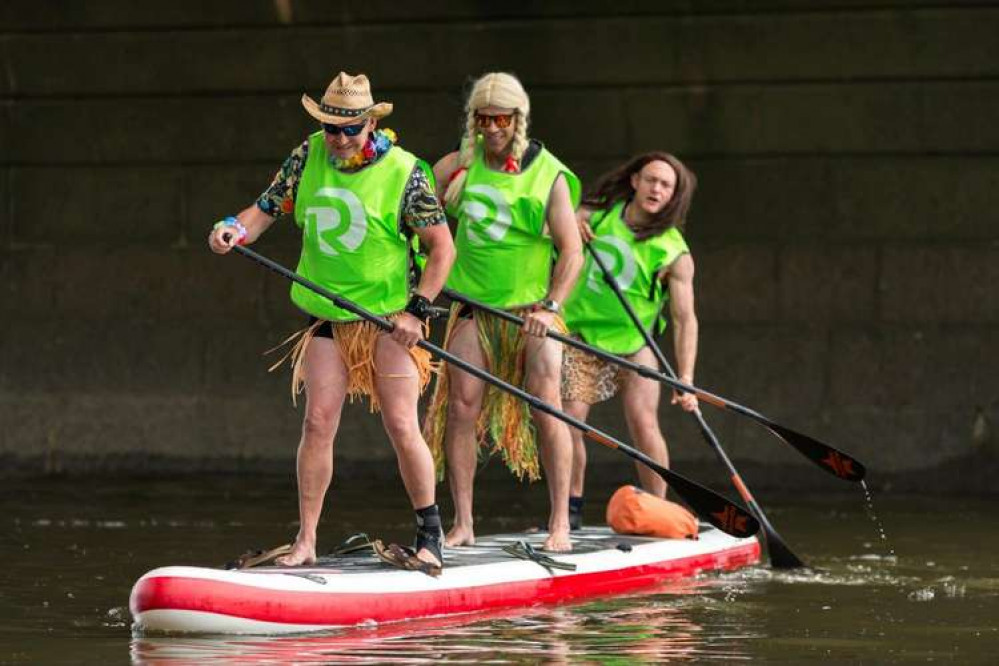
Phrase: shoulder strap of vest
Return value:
(660, 292)
(600, 214)
(571, 179)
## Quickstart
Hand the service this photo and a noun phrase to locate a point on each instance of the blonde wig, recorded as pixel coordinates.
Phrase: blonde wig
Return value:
(494, 89)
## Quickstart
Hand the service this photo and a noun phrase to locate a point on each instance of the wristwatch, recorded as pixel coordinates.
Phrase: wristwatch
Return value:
(550, 305)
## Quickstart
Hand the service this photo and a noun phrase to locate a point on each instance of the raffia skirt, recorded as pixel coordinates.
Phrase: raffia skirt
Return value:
(356, 342)
(504, 424)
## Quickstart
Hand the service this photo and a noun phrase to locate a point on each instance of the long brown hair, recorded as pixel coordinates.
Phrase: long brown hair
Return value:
(615, 186)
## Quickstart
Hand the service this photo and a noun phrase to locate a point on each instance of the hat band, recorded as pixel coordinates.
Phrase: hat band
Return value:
(340, 111)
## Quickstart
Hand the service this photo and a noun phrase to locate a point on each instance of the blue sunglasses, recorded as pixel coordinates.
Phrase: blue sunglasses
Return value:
(346, 130)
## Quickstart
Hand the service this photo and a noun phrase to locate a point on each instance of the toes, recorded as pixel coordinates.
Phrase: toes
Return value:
(558, 545)
(295, 559)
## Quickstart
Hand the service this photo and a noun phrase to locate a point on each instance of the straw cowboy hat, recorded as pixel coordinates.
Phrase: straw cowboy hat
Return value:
(347, 99)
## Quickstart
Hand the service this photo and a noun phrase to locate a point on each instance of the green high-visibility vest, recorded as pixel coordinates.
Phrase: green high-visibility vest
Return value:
(351, 243)
(504, 258)
(593, 310)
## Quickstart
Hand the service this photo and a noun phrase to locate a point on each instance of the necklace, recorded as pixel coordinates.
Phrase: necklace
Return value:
(378, 144)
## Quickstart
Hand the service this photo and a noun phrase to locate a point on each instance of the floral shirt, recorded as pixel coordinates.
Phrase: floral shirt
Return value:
(420, 207)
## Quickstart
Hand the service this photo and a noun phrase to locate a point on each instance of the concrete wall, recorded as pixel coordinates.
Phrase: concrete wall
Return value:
(844, 230)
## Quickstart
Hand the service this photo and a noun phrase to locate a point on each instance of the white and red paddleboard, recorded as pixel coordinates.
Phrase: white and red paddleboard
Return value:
(360, 589)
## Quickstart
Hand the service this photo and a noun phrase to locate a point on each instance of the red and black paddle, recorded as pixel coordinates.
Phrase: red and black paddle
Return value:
(781, 556)
(828, 459)
(706, 503)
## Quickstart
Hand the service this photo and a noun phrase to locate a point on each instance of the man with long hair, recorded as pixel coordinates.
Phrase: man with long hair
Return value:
(633, 218)
(517, 249)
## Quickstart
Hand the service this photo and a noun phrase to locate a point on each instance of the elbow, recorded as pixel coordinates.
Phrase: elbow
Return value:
(686, 322)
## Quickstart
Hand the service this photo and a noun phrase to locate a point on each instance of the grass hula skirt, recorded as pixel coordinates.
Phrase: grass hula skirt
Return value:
(504, 420)
(356, 342)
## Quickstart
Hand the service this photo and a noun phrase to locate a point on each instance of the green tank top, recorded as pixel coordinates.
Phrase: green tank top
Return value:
(593, 310)
(504, 257)
(351, 243)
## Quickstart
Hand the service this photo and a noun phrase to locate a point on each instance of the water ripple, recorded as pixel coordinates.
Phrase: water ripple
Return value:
(640, 629)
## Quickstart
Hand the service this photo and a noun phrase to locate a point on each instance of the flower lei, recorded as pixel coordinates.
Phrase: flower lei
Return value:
(378, 144)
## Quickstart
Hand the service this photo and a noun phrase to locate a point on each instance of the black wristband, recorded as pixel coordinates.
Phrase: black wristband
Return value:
(420, 307)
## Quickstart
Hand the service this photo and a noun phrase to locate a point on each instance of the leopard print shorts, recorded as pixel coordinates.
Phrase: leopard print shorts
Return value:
(586, 378)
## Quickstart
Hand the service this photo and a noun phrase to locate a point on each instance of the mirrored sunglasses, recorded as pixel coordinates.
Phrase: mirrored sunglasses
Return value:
(346, 130)
(502, 120)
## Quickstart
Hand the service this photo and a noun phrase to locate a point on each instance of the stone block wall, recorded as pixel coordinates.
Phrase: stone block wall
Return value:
(844, 229)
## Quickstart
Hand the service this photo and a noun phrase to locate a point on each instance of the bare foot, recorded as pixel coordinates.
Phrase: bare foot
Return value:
(302, 554)
(460, 536)
(558, 541)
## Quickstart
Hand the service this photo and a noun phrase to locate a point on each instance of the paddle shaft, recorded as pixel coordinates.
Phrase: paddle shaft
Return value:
(781, 556)
(826, 457)
(708, 504)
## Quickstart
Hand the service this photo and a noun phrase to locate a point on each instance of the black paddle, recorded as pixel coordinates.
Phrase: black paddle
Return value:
(781, 556)
(828, 459)
(709, 505)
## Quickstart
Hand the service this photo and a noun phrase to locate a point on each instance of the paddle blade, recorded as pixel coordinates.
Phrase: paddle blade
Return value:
(781, 556)
(712, 507)
(734, 520)
(828, 459)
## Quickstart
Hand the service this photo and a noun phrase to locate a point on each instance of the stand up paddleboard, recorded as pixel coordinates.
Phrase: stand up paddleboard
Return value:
(359, 588)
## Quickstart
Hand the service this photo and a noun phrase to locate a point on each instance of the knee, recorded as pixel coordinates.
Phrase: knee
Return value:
(546, 384)
(319, 426)
(462, 408)
(550, 428)
(402, 429)
(646, 424)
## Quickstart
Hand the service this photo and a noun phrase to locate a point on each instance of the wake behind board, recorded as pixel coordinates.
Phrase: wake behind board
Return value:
(357, 589)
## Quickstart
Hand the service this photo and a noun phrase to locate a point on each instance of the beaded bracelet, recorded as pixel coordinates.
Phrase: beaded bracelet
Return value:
(241, 232)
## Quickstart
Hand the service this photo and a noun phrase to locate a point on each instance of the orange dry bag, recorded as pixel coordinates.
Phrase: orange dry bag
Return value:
(634, 511)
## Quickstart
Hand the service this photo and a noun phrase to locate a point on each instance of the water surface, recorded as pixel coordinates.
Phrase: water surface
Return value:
(929, 594)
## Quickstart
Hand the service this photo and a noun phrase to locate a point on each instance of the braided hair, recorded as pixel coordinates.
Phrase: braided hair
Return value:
(493, 89)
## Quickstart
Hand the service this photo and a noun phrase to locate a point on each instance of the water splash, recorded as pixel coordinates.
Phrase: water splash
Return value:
(116, 617)
(922, 594)
(877, 521)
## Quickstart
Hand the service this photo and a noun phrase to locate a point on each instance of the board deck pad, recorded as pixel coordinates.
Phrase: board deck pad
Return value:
(487, 550)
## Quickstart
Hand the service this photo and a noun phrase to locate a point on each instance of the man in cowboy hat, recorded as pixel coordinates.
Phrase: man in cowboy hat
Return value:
(358, 198)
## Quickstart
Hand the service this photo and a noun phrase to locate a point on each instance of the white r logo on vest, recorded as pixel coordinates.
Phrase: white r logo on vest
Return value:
(617, 256)
(329, 227)
(478, 212)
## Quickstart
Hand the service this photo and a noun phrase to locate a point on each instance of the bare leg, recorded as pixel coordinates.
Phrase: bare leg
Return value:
(464, 404)
(579, 410)
(641, 412)
(544, 368)
(325, 386)
(398, 391)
